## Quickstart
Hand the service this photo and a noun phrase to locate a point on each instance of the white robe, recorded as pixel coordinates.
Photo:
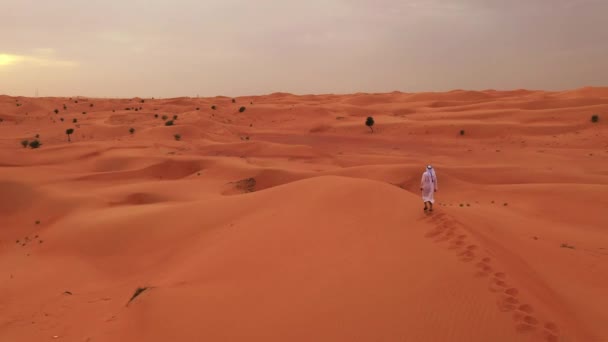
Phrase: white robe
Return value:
(429, 185)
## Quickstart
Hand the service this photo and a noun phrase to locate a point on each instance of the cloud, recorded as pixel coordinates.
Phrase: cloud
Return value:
(44, 59)
(116, 37)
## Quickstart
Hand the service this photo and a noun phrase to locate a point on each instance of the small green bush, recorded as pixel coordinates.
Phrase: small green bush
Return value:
(177, 137)
(213, 107)
(164, 117)
(35, 144)
(56, 111)
(131, 130)
(74, 120)
(169, 123)
(174, 117)
(370, 123)
(24, 143)
(69, 131)
(595, 118)
(156, 115)
(242, 109)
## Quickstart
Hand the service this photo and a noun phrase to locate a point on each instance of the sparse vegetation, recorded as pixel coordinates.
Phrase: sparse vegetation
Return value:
(35, 144)
(127, 108)
(84, 112)
(164, 117)
(25, 143)
(142, 101)
(595, 118)
(37, 136)
(65, 107)
(174, 117)
(75, 101)
(137, 292)
(213, 107)
(565, 245)
(61, 119)
(56, 111)
(91, 105)
(462, 132)
(156, 115)
(69, 132)
(370, 123)
(242, 109)
(198, 108)
(131, 130)
(74, 120)
(169, 123)
(37, 222)
(177, 137)
(233, 100)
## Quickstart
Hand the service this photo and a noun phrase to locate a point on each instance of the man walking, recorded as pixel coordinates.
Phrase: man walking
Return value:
(428, 186)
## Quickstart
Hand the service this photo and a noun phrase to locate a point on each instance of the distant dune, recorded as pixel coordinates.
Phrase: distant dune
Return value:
(289, 220)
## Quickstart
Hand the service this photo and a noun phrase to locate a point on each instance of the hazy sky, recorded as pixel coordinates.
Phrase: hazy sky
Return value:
(122, 48)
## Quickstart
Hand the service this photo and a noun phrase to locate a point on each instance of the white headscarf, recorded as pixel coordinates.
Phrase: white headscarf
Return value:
(431, 171)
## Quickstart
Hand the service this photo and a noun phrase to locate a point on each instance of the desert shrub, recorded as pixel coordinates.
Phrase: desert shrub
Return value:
(65, 107)
(84, 113)
(75, 101)
(136, 109)
(156, 115)
(142, 101)
(164, 117)
(74, 120)
(37, 136)
(169, 123)
(24, 143)
(18, 104)
(56, 111)
(242, 109)
(137, 292)
(462, 132)
(69, 132)
(131, 130)
(91, 105)
(369, 122)
(174, 117)
(233, 100)
(595, 118)
(213, 107)
(198, 108)
(35, 144)
(127, 108)
(177, 137)
(1, 119)
(61, 119)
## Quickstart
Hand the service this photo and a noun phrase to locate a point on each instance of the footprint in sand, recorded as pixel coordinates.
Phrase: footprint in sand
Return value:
(512, 291)
(551, 332)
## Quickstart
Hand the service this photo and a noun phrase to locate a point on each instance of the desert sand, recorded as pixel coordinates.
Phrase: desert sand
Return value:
(292, 221)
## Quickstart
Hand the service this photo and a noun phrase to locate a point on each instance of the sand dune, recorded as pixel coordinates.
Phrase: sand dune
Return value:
(292, 221)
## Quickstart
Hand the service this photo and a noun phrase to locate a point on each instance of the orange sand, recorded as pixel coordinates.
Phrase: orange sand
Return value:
(312, 229)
